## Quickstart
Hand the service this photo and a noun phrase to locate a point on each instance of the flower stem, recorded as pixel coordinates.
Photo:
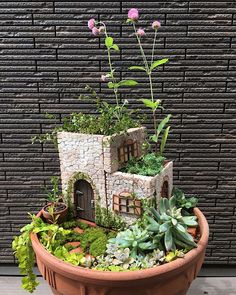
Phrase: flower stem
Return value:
(115, 89)
(153, 46)
(149, 73)
(141, 49)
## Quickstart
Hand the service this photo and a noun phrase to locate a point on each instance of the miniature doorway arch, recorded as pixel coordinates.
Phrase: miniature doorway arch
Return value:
(84, 200)
(83, 194)
(165, 189)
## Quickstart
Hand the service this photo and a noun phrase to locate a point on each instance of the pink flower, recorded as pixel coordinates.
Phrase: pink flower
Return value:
(95, 31)
(91, 23)
(141, 32)
(133, 14)
(101, 29)
(104, 78)
(156, 25)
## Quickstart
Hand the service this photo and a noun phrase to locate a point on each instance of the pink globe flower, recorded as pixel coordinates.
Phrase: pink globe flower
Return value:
(101, 29)
(104, 78)
(141, 32)
(95, 31)
(133, 14)
(91, 23)
(156, 25)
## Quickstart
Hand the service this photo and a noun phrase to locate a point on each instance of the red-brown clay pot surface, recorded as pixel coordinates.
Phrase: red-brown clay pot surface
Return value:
(172, 278)
(62, 213)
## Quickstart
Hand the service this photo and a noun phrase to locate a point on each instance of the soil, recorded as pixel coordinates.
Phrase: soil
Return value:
(57, 208)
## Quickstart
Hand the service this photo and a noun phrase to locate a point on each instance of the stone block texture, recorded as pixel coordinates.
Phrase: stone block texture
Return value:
(47, 56)
(94, 160)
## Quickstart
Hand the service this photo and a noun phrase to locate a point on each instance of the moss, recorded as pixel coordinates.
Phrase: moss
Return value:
(107, 218)
(69, 224)
(90, 235)
(98, 247)
(69, 247)
(73, 237)
(82, 225)
(111, 235)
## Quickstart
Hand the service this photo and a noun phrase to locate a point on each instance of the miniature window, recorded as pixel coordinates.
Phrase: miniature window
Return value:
(128, 150)
(165, 189)
(124, 203)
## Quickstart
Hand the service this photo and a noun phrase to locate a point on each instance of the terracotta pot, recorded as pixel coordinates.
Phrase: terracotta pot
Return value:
(62, 213)
(173, 278)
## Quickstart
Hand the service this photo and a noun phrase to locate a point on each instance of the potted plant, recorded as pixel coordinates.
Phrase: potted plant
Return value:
(148, 238)
(56, 209)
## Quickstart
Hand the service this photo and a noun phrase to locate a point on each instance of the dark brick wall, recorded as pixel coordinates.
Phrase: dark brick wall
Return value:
(47, 56)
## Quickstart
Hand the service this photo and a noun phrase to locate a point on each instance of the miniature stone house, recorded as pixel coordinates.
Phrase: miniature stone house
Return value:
(89, 172)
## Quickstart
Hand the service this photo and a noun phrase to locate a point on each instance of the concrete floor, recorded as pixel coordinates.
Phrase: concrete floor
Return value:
(201, 286)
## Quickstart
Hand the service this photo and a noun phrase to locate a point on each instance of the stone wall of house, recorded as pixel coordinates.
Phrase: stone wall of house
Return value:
(82, 153)
(112, 143)
(142, 186)
(93, 155)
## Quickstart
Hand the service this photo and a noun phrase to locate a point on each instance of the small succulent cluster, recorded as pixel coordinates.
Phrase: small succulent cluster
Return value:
(120, 259)
(136, 239)
(168, 225)
(160, 236)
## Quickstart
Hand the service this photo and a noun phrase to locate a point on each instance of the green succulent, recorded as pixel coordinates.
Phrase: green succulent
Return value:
(119, 259)
(135, 238)
(168, 224)
(182, 201)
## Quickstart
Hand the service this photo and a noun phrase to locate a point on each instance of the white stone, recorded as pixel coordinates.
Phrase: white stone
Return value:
(97, 157)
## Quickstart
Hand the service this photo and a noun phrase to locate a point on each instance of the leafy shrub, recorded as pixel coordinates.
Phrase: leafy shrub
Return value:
(108, 219)
(147, 165)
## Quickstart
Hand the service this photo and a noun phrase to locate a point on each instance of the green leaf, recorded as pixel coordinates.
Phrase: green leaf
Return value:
(164, 227)
(162, 207)
(128, 21)
(153, 228)
(164, 139)
(137, 68)
(180, 228)
(186, 238)
(172, 202)
(151, 104)
(189, 220)
(174, 221)
(157, 63)
(115, 47)
(147, 246)
(109, 42)
(156, 214)
(162, 124)
(153, 138)
(168, 240)
(127, 83)
(166, 203)
(110, 85)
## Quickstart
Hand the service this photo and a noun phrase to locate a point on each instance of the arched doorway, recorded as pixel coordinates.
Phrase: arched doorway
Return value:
(165, 189)
(84, 200)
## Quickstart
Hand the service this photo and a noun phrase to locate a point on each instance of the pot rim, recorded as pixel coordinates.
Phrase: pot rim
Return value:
(74, 272)
(49, 204)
